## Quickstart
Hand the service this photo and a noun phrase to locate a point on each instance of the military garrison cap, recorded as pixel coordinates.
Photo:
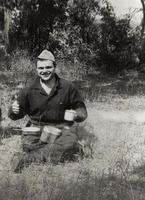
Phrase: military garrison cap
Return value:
(46, 55)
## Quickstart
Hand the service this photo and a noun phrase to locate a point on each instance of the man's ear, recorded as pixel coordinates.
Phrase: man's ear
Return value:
(54, 64)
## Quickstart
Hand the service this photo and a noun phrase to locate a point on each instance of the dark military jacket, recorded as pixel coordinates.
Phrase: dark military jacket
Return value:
(41, 107)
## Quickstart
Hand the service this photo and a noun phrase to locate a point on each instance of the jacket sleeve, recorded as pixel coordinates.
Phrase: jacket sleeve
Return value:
(77, 104)
(23, 103)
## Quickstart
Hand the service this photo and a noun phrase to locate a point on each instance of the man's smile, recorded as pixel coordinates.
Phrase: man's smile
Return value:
(45, 74)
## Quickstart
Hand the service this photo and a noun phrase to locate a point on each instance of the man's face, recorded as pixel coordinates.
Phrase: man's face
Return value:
(45, 70)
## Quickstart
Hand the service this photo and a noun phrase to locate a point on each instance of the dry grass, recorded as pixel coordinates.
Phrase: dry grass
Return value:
(114, 130)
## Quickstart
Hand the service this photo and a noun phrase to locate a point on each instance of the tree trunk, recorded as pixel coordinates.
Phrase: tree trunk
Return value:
(7, 20)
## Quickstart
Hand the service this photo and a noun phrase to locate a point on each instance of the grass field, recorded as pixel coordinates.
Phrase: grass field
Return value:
(115, 132)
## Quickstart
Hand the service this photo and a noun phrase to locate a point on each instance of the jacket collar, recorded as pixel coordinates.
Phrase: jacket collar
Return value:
(36, 85)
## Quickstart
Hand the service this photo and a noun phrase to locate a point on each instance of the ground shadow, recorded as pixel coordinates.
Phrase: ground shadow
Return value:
(6, 132)
(139, 170)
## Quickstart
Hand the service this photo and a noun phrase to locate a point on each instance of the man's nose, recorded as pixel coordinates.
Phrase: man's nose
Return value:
(45, 69)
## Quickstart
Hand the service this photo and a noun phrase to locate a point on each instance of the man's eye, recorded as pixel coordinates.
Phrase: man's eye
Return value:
(40, 68)
(48, 67)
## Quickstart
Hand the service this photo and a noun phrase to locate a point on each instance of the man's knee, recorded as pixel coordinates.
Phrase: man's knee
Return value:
(68, 139)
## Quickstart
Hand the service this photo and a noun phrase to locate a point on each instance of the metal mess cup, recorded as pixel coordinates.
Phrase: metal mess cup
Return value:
(31, 131)
(45, 134)
(49, 134)
(69, 115)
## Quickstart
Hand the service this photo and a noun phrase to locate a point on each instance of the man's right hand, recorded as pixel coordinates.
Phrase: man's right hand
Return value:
(15, 107)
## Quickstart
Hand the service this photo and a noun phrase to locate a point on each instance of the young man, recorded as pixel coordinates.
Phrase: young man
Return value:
(46, 102)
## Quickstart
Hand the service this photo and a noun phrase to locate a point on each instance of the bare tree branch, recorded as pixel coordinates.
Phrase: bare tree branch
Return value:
(143, 20)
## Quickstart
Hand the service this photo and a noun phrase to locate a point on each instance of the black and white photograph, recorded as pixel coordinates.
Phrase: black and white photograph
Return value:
(72, 99)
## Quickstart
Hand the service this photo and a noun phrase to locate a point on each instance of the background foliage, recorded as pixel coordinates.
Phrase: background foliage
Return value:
(80, 31)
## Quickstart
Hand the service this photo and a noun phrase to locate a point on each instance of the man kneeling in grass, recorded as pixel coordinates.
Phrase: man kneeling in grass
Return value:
(54, 106)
